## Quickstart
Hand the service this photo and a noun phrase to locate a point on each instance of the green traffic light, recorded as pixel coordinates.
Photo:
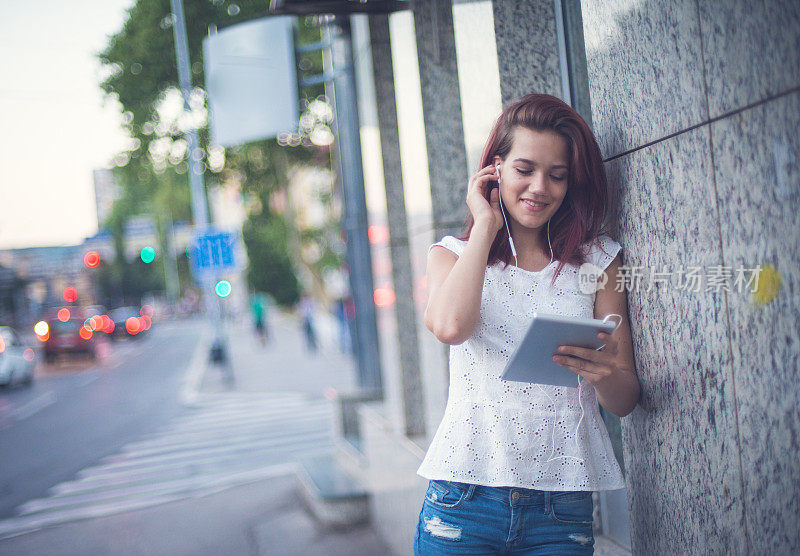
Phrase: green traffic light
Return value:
(148, 254)
(223, 288)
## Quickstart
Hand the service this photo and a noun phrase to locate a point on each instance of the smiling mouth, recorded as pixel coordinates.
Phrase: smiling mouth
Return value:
(534, 204)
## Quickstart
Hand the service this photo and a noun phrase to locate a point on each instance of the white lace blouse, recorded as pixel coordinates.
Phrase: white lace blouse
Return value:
(505, 433)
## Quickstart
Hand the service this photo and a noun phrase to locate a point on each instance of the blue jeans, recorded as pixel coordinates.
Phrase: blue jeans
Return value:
(463, 518)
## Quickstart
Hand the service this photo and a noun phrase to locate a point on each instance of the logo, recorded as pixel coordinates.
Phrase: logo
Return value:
(591, 278)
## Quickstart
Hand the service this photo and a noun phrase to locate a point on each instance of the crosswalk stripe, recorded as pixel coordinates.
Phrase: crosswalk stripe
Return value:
(168, 443)
(223, 441)
(25, 524)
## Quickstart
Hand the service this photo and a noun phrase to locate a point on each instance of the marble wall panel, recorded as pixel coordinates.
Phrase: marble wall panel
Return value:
(527, 51)
(645, 70)
(751, 50)
(680, 449)
(441, 105)
(757, 161)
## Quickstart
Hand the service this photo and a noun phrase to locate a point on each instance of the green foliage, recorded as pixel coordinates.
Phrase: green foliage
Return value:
(141, 65)
(141, 72)
(270, 269)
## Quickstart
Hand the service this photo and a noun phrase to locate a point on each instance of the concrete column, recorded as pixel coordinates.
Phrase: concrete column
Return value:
(441, 105)
(402, 274)
(527, 48)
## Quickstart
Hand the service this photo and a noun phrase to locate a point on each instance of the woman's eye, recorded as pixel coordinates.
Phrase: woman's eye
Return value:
(524, 172)
(558, 178)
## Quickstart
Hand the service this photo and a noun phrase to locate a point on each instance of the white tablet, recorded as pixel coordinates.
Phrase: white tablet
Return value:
(532, 361)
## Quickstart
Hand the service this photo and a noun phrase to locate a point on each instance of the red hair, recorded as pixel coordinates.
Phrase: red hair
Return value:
(580, 217)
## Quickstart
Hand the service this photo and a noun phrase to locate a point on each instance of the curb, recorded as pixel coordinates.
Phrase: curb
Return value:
(196, 370)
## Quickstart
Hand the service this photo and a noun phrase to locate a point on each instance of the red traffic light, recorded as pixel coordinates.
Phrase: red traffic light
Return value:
(91, 259)
(70, 294)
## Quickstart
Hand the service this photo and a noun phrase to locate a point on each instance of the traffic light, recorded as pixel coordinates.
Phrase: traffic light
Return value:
(147, 254)
(70, 294)
(223, 288)
(91, 259)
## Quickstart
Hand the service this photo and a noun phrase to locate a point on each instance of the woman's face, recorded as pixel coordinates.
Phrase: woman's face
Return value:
(534, 176)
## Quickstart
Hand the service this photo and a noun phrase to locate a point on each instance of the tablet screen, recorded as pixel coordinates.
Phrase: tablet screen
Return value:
(532, 361)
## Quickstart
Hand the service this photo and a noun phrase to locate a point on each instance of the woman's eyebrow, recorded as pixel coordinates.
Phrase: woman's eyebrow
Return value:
(532, 163)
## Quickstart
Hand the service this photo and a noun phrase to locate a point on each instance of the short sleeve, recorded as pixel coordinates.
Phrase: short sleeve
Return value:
(602, 251)
(451, 243)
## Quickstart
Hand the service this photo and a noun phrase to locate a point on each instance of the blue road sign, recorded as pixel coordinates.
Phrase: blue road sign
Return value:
(213, 251)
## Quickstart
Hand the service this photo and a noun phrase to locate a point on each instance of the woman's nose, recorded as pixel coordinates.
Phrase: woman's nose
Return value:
(538, 183)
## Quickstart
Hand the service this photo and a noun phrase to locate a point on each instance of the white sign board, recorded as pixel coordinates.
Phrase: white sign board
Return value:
(251, 81)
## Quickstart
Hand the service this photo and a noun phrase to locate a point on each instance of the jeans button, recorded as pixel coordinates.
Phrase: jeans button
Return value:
(515, 496)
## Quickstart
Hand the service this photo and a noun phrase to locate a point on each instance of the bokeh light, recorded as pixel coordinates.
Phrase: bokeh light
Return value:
(96, 322)
(108, 324)
(147, 254)
(41, 328)
(28, 354)
(70, 294)
(223, 288)
(63, 314)
(132, 325)
(91, 259)
(378, 234)
(384, 297)
(85, 333)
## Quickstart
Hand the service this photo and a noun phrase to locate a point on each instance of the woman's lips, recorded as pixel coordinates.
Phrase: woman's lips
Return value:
(533, 208)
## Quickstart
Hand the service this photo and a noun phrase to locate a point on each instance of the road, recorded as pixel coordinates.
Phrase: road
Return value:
(73, 416)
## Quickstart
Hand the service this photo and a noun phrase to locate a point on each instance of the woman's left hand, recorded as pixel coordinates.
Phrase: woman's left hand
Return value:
(596, 366)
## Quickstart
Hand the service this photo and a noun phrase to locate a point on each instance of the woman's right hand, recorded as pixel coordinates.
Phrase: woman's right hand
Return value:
(485, 213)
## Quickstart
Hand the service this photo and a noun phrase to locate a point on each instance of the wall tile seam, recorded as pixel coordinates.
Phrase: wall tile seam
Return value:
(709, 121)
(728, 330)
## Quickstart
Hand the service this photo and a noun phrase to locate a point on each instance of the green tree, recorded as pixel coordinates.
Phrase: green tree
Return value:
(142, 75)
(271, 268)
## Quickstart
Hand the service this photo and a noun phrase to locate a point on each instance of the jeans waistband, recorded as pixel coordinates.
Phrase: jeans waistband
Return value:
(519, 496)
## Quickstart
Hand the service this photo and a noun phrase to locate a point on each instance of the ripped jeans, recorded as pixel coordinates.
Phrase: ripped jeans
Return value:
(463, 518)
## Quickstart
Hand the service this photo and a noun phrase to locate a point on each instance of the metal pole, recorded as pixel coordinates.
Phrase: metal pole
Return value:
(199, 209)
(348, 143)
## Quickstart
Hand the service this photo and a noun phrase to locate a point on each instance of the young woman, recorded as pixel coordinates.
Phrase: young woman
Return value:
(513, 465)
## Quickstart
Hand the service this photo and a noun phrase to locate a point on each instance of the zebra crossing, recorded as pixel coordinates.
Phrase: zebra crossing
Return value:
(223, 440)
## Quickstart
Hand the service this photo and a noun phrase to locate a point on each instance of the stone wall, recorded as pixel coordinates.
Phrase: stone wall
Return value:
(696, 106)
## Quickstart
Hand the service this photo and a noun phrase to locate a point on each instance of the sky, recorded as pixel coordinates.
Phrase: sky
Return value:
(56, 126)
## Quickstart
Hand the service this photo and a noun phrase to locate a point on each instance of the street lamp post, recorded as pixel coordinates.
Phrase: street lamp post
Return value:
(197, 188)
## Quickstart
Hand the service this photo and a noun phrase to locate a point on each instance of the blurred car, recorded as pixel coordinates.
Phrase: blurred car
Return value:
(128, 322)
(66, 332)
(16, 359)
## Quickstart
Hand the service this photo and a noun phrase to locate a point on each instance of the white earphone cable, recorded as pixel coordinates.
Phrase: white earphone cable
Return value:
(580, 384)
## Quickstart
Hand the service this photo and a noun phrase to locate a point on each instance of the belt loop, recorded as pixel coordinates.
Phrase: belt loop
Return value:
(546, 502)
(470, 491)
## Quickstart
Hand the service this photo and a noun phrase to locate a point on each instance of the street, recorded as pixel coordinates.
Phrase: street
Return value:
(106, 455)
(68, 421)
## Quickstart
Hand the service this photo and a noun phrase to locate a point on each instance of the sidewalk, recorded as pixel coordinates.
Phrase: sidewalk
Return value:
(283, 364)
